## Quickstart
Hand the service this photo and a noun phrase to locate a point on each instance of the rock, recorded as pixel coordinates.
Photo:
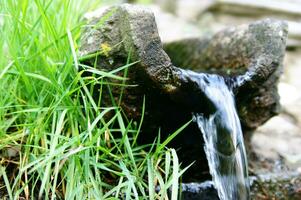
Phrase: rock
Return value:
(185, 9)
(250, 58)
(276, 186)
(199, 191)
(214, 21)
(220, 14)
(255, 50)
(10, 152)
(263, 186)
(294, 30)
(168, 5)
(181, 28)
(278, 137)
(191, 9)
(259, 7)
(290, 92)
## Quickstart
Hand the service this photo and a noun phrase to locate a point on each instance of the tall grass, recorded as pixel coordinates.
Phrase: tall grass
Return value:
(55, 141)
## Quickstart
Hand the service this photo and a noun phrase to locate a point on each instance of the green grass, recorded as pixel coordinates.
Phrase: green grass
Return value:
(55, 141)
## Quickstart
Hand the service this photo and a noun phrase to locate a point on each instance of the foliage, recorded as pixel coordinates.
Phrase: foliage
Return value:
(55, 141)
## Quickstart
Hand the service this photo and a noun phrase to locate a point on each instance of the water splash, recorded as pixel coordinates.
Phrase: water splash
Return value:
(224, 146)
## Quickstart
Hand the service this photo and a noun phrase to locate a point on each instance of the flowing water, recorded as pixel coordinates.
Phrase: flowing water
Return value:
(224, 144)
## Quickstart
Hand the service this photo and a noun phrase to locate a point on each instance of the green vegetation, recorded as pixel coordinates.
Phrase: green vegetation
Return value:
(55, 141)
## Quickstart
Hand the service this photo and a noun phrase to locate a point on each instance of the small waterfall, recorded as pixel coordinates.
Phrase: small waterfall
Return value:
(224, 144)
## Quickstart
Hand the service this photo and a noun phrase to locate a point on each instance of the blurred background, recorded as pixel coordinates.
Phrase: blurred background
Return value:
(277, 142)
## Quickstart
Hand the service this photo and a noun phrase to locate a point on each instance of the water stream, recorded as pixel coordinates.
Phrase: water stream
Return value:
(224, 144)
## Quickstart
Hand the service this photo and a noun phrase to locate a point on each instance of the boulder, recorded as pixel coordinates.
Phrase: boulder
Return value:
(263, 186)
(251, 52)
(249, 57)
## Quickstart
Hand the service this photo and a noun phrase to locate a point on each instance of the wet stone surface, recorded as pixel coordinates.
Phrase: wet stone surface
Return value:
(266, 186)
(123, 33)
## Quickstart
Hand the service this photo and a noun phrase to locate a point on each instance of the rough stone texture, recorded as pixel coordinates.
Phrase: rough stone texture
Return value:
(276, 186)
(249, 56)
(280, 137)
(284, 142)
(197, 191)
(255, 51)
(264, 186)
(224, 13)
(131, 31)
